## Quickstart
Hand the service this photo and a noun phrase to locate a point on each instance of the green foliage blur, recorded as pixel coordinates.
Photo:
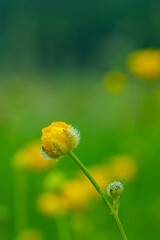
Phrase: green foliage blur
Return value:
(54, 56)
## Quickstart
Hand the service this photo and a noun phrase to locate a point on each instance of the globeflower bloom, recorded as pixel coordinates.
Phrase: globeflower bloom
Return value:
(145, 63)
(58, 140)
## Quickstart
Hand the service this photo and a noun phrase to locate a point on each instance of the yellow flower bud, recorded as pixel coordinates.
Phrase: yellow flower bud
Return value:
(58, 140)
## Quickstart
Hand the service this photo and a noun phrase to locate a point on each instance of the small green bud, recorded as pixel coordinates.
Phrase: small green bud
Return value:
(115, 190)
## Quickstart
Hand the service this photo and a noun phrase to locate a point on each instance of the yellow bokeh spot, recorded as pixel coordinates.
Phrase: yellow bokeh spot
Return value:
(102, 175)
(49, 204)
(30, 158)
(115, 82)
(123, 167)
(76, 195)
(145, 64)
(30, 234)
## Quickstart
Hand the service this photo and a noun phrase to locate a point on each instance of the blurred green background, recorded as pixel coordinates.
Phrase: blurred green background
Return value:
(54, 62)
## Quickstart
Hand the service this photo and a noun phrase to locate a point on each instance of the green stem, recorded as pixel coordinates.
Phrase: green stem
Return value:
(116, 205)
(20, 192)
(102, 194)
(62, 227)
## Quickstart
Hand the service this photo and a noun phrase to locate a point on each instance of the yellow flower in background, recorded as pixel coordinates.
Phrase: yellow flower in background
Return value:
(49, 204)
(115, 82)
(29, 158)
(76, 195)
(30, 234)
(123, 167)
(145, 63)
(58, 140)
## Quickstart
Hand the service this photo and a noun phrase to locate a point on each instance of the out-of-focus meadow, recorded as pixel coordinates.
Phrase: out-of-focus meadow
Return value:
(95, 65)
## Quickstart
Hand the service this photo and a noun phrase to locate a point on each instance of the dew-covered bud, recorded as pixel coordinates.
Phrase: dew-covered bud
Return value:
(115, 190)
(58, 140)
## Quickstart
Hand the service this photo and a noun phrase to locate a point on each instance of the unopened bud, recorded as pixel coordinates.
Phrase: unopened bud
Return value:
(115, 190)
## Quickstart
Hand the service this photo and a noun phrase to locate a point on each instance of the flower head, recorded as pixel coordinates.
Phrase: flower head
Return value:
(145, 63)
(29, 158)
(115, 189)
(58, 140)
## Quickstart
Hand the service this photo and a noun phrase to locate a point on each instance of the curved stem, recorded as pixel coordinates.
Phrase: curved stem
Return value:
(102, 194)
(119, 226)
